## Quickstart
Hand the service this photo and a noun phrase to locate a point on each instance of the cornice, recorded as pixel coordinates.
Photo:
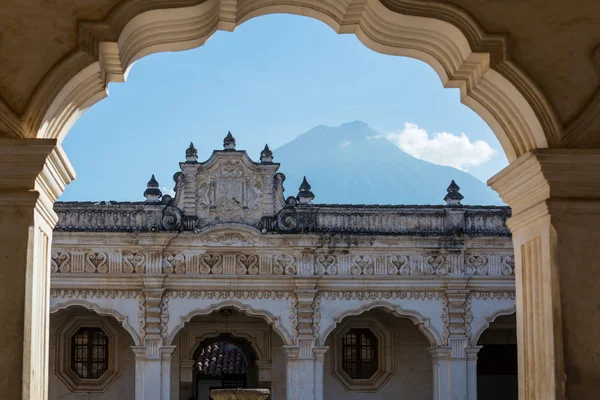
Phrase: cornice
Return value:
(544, 178)
(447, 38)
(286, 283)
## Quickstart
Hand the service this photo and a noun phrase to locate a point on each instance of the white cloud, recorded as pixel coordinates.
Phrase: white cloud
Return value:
(345, 143)
(442, 148)
(168, 191)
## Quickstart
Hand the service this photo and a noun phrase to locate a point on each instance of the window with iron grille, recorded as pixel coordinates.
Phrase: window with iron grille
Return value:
(359, 353)
(89, 353)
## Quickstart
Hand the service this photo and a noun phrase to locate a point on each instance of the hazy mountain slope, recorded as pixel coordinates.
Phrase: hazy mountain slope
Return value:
(348, 164)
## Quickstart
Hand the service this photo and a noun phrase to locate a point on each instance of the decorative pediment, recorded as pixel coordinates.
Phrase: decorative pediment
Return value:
(228, 188)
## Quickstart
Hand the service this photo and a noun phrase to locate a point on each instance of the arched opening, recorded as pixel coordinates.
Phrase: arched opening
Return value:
(224, 362)
(89, 353)
(379, 355)
(497, 374)
(226, 349)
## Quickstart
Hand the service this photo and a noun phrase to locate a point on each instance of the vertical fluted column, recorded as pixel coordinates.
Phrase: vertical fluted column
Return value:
(33, 173)
(555, 199)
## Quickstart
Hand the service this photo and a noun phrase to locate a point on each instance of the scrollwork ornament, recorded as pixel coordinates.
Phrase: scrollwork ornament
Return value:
(478, 264)
(211, 263)
(96, 262)
(364, 264)
(247, 264)
(437, 264)
(173, 263)
(61, 262)
(325, 264)
(286, 220)
(284, 264)
(134, 262)
(398, 265)
(507, 266)
(171, 218)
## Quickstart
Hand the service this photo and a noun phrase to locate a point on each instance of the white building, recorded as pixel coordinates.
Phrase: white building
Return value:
(229, 284)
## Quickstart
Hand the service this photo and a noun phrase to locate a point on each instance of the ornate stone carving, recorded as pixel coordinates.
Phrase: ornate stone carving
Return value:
(164, 318)
(96, 262)
(284, 264)
(362, 265)
(173, 263)
(171, 218)
(326, 264)
(247, 265)
(398, 265)
(61, 262)
(227, 239)
(134, 262)
(381, 295)
(95, 293)
(229, 294)
(493, 295)
(211, 263)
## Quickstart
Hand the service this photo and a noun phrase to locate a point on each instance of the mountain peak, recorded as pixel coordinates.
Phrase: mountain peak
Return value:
(346, 167)
(354, 124)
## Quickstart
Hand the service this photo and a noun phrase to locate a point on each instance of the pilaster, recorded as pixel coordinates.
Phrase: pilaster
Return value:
(33, 173)
(555, 199)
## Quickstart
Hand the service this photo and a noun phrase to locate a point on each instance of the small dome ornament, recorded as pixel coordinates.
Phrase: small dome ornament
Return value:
(152, 192)
(229, 142)
(305, 196)
(453, 197)
(191, 154)
(266, 156)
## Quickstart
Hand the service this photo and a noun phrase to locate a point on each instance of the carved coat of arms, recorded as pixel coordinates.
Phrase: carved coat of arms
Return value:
(229, 191)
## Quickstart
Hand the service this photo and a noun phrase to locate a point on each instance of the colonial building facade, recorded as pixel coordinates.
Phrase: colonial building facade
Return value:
(229, 284)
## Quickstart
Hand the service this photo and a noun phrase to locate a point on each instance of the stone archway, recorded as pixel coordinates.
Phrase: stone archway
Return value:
(549, 204)
(228, 361)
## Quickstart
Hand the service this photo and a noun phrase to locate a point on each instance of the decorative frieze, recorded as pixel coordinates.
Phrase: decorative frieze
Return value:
(229, 294)
(95, 293)
(357, 264)
(380, 295)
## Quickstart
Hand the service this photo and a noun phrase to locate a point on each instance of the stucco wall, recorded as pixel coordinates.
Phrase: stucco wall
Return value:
(123, 387)
(412, 377)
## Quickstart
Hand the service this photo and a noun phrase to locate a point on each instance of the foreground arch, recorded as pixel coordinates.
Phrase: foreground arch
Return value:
(77, 84)
(554, 193)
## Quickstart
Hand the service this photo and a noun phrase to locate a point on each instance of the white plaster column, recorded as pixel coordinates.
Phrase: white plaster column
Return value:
(453, 369)
(440, 358)
(153, 372)
(472, 371)
(319, 354)
(33, 173)
(292, 363)
(555, 199)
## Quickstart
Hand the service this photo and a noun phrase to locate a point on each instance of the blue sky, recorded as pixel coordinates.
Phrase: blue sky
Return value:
(271, 80)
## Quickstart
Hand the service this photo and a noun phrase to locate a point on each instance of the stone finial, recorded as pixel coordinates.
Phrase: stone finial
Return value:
(305, 196)
(152, 192)
(266, 156)
(191, 154)
(229, 142)
(453, 197)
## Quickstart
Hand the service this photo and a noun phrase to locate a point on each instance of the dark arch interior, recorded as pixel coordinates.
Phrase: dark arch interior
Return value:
(497, 374)
(224, 361)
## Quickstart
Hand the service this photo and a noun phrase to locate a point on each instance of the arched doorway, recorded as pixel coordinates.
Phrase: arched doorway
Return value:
(227, 349)
(497, 374)
(223, 362)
